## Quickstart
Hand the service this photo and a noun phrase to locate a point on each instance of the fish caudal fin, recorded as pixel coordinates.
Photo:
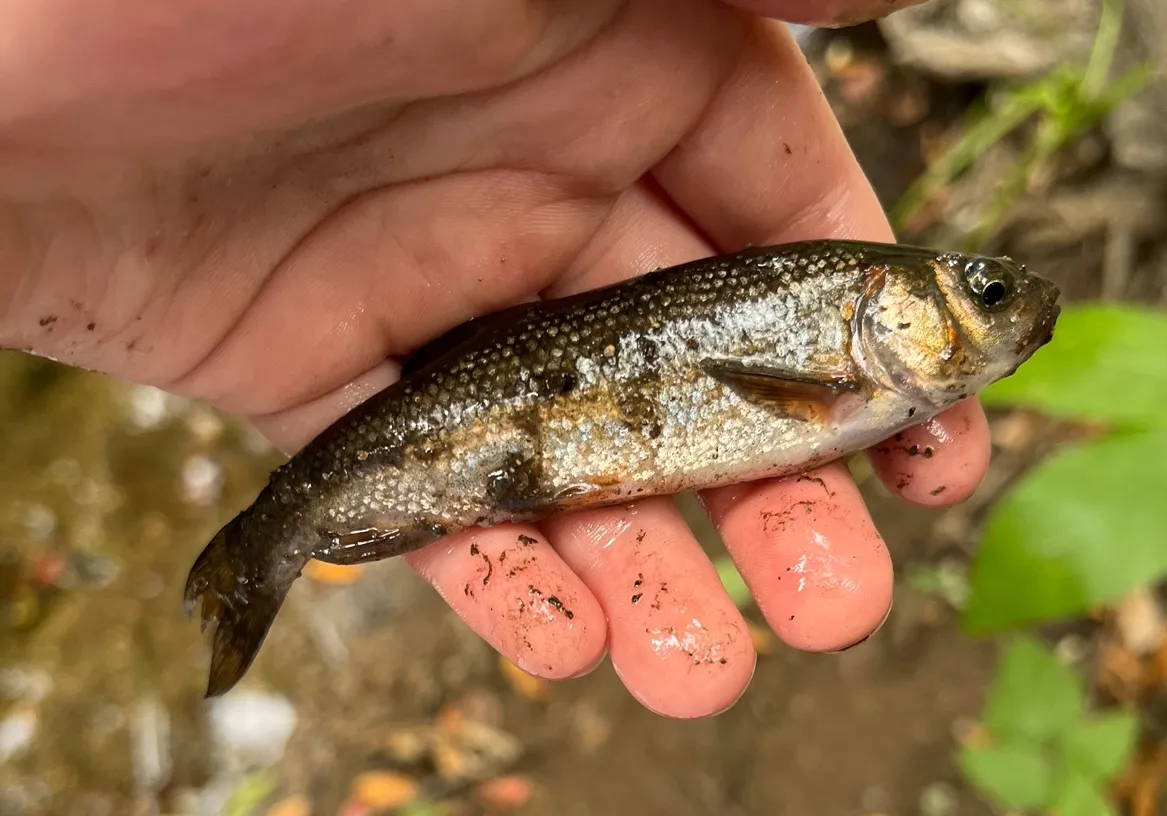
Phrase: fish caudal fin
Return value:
(241, 606)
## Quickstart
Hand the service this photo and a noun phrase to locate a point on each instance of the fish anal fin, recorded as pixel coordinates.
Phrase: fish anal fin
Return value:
(461, 334)
(796, 394)
(367, 542)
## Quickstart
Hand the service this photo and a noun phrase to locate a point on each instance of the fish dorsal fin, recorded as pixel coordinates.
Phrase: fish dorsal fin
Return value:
(796, 394)
(462, 334)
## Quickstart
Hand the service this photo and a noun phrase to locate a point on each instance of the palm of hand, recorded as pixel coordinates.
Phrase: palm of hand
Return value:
(281, 276)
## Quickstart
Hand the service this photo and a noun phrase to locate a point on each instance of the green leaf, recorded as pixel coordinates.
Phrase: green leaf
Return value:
(981, 130)
(1081, 529)
(1080, 796)
(251, 792)
(1105, 364)
(1099, 746)
(1016, 776)
(948, 582)
(1034, 697)
(733, 582)
(423, 807)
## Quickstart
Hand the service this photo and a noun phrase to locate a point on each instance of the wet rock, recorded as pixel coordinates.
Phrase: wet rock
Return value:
(87, 570)
(250, 729)
(204, 424)
(1023, 40)
(149, 407)
(29, 796)
(506, 793)
(150, 744)
(202, 480)
(1138, 127)
(876, 800)
(591, 726)
(938, 799)
(983, 39)
(27, 685)
(16, 733)
(40, 522)
(1060, 219)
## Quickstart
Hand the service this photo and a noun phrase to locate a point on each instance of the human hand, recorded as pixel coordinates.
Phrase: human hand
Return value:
(266, 206)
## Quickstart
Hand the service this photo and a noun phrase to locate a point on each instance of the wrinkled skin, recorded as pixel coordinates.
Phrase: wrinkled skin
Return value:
(265, 206)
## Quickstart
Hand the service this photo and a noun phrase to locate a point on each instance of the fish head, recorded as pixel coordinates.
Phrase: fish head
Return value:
(942, 328)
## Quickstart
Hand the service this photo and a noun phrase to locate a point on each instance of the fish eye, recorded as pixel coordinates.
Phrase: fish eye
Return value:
(990, 285)
(993, 293)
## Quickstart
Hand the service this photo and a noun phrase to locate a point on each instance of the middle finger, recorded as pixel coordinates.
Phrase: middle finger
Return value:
(676, 639)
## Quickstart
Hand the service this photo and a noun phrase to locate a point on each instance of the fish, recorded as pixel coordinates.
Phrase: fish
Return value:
(761, 363)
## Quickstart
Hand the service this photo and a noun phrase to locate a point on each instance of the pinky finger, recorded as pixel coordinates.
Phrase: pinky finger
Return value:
(939, 462)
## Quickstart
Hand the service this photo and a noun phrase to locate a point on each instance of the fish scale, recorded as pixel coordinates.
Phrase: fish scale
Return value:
(762, 363)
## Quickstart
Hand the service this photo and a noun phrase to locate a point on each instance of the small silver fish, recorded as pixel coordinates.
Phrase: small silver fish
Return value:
(763, 363)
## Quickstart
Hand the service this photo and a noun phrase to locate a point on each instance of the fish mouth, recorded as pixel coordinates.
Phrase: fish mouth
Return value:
(1048, 312)
(1043, 330)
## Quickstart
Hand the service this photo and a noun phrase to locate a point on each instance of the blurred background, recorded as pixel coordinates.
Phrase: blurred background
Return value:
(1023, 669)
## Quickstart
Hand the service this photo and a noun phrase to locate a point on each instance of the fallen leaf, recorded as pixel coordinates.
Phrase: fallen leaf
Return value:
(1016, 431)
(763, 639)
(450, 718)
(591, 727)
(1139, 621)
(351, 807)
(524, 684)
(408, 745)
(384, 790)
(973, 735)
(46, 569)
(838, 57)
(250, 793)
(482, 705)
(332, 574)
(1142, 784)
(297, 805)
(465, 749)
(1120, 673)
(506, 792)
(450, 761)
(908, 108)
(859, 81)
(1158, 666)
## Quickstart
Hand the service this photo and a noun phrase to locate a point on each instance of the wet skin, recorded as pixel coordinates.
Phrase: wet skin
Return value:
(184, 225)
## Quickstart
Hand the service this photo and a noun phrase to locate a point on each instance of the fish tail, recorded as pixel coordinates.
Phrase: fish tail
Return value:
(242, 606)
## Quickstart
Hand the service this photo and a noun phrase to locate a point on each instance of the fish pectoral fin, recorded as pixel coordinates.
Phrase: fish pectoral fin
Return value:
(797, 394)
(368, 542)
(581, 494)
(540, 503)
